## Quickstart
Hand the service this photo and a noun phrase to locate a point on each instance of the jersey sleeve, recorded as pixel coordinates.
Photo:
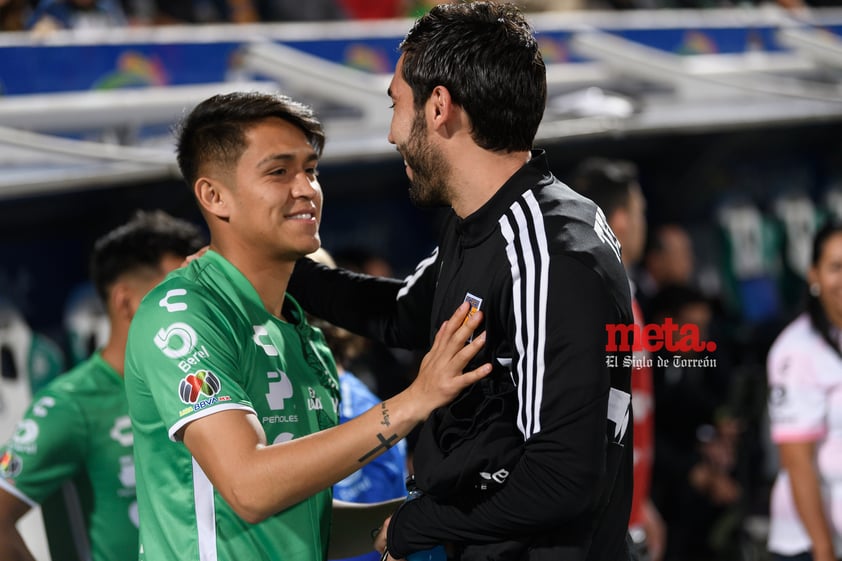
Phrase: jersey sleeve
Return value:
(797, 403)
(47, 448)
(395, 312)
(564, 387)
(181, 356)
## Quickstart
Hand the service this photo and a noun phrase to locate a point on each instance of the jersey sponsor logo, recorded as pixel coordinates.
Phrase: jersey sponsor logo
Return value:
(604, 232)
(173, 306)
(204, 403)
(10, 464)
(275, 419)
(777, 395)
(121, 432)
(127, 472)
(177, 340)
(314, 403)
(193, 386)
(25, 435)
(39, 408)
(260, 332)
(26, 432)
(193, 360)
(280, 388)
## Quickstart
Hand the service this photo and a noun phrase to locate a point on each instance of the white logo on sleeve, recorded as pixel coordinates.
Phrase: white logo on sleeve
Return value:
(26, 432)
(603, 230)
(39, 409)
(173, 306)
(177, 340)
(280, 388)
(268, 347)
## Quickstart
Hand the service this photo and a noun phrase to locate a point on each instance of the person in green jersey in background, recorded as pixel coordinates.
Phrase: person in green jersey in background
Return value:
(233, 396)
(76, 437)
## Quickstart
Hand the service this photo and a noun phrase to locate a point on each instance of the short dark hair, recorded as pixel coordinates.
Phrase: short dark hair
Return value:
(139, 244)
(487, 57)
(215, 130)
(606, 182)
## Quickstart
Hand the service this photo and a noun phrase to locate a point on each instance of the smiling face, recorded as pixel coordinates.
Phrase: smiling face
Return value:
(426, 166)
(827, 273)
(273, 200)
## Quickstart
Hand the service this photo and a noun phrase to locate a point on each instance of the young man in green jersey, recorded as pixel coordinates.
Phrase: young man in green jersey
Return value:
(76, 438)
(233, 396)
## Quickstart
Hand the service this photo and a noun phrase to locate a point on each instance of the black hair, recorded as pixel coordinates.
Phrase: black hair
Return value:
(818, 317)
(608, 183)
(139, 244)
(487, 57)
(215, 130)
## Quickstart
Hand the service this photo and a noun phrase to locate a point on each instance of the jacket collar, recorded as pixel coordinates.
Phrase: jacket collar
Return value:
(475, 228)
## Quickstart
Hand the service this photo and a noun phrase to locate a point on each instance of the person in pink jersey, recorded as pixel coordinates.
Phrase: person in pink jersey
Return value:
(805, 409)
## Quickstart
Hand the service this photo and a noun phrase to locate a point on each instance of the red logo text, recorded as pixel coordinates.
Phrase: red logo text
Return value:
(652, 337)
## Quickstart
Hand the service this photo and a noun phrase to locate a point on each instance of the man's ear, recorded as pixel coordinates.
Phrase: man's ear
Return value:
(440, 108)
(120, 301)
(212, 196)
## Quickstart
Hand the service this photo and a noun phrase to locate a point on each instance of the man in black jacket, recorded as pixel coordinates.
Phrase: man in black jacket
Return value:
(535, 461)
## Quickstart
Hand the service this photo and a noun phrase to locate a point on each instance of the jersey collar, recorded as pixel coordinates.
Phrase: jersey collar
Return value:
(483, 222)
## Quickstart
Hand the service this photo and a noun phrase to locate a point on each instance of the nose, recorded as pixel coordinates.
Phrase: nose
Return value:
(305, 186)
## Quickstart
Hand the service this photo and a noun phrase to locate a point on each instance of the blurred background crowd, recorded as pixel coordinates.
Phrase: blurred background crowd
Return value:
(44, 15)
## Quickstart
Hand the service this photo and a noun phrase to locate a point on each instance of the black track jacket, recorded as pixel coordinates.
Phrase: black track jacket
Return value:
(534, 462)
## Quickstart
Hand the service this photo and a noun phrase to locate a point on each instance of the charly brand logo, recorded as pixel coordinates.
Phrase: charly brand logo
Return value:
(173, 306)
(193, 386)
(260, 333)
(680, 340)
(177, 340)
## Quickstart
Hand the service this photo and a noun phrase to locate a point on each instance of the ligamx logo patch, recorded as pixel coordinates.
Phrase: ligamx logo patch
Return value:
(193, 386)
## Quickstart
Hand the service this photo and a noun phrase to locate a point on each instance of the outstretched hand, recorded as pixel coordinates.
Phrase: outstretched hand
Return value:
(441, 376)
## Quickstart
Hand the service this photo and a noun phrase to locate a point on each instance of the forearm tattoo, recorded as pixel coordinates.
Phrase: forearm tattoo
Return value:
(385, 444)
(385, 422)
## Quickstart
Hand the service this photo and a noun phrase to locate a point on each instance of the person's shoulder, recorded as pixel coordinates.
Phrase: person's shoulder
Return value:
(797, 336)
(193, 288)
(69, 390)
(796, 347)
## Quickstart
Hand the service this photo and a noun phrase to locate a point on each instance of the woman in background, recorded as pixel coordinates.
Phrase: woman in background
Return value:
(805, 408)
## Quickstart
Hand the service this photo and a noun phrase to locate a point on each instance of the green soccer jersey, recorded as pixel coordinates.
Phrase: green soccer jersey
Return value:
(75, 442)
(202, 342)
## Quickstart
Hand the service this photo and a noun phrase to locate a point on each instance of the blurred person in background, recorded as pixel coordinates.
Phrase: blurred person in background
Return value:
(52, 15)
(179, 12)
(668, 259)
(696, 435)
(14, 14)
(614, 186)
(76, 434)
(295, 10)
(804, 369)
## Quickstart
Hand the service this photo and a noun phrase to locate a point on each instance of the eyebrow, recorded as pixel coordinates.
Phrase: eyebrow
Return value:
(285, 157)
